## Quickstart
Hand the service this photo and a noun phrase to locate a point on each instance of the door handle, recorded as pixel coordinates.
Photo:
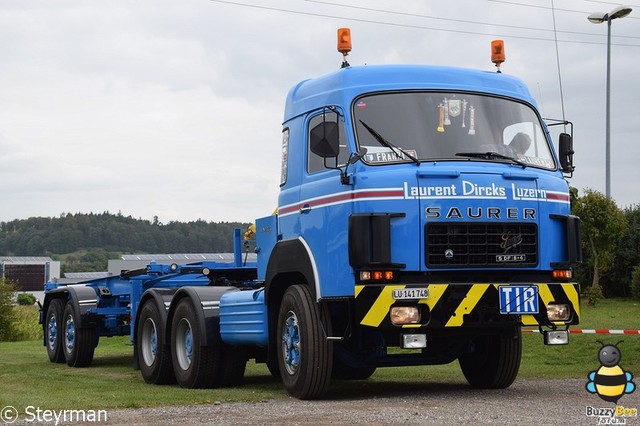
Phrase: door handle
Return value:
(305, 209)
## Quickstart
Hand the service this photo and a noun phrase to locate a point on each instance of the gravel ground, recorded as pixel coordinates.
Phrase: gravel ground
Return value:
(526, 402)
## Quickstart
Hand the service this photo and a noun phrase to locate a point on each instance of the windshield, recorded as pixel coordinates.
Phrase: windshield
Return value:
(430, 126)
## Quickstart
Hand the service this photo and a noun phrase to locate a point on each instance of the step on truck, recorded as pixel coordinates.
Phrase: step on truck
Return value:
(423, 218)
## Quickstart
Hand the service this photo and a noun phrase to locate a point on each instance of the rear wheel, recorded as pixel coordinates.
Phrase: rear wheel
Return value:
(154, 355)
(199, 366)
(304, 353)
(53, 330)
(78, 343)
(494, 361)
(193, 364)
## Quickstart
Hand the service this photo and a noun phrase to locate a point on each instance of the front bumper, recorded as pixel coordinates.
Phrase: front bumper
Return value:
(465, 305)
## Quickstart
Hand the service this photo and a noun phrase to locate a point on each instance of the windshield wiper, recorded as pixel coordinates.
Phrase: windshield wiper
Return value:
(491, 155)
(382, 141)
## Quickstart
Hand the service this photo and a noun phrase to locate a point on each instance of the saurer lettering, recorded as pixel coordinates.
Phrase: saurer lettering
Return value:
(496, 213)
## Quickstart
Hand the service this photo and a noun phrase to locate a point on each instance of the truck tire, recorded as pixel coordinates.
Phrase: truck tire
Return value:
(154, 355)
(78, 343)
(494, 361)
(196, 365)
(305, 355)
(53, 330)
(193, 364)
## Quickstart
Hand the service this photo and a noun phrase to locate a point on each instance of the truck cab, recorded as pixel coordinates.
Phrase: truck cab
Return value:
(424, 208)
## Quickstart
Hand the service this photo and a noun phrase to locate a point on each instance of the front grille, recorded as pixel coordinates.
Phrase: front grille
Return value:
(485, 244)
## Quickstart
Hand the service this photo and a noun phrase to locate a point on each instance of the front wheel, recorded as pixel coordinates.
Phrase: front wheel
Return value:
(494, 361)
(53, 331)
(78, 343)
(305, 355)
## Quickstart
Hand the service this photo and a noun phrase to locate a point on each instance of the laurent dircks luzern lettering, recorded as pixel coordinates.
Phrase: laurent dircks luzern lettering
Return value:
(468, 189)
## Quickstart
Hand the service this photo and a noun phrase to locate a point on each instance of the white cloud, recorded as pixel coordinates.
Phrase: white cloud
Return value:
(174, 108)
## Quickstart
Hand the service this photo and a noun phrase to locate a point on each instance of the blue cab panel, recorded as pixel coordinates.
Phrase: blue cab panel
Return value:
(243, 318)
(266, 239)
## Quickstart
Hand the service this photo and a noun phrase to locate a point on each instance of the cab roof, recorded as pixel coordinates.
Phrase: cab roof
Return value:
(342, 86)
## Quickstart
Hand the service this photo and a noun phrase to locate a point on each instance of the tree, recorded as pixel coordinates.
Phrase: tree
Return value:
(635, 282)
(7, 311)
(603, 224)
(627, 256)
(79, 232)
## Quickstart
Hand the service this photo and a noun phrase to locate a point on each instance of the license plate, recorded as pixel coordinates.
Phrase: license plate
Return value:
(502, 258)
(410, 293)
(518, 299)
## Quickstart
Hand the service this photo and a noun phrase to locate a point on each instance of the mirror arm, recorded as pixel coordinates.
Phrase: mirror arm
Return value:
(346, 179)
(354, 157)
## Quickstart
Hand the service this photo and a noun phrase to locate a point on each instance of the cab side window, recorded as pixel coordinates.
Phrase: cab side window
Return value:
(284, 162)
(315, 163)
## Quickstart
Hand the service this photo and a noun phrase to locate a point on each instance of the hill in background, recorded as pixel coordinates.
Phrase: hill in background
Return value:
(84, 242)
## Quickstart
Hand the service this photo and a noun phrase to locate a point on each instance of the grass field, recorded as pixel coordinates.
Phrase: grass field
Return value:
(28, 378)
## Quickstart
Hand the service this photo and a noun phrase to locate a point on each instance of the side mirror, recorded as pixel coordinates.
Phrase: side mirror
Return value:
(565, 146)
(325, 139)
(357, 156)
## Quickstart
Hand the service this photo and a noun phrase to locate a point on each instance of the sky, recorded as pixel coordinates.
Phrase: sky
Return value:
(174, 108)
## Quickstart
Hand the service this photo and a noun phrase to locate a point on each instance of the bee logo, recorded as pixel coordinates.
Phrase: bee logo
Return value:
(610, 381)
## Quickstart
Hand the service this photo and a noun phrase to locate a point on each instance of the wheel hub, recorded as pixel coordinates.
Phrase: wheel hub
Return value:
(52, 333)
(291, 343)
(184, 344)
(70, 335)
(149, 342)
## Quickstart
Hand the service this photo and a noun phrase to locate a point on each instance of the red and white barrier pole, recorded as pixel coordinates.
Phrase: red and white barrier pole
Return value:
(595, 331)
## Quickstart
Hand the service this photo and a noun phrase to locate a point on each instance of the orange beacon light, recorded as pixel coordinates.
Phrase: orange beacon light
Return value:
(497, 53)
(344, 44)
(344, 41)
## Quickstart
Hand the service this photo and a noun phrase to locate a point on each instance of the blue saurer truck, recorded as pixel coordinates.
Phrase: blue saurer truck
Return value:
(423, 218)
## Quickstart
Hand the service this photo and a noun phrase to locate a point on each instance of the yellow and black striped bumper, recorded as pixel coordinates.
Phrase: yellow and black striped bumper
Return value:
(461, 305)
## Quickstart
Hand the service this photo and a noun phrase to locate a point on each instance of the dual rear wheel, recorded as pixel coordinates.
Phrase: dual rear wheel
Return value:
(186, 358)
(65, 338)
(53, 331)
(153, 352)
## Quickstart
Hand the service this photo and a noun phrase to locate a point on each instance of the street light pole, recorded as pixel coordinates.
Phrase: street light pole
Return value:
(607, 143)
(598, 18)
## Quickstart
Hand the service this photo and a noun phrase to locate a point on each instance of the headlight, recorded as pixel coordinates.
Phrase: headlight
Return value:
(405, 315)
(558, 312)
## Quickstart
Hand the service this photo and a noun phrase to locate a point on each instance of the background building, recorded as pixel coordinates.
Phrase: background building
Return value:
(29, 273)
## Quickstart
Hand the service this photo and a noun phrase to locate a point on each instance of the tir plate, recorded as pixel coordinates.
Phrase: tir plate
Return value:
(515, 299)
(410, 293)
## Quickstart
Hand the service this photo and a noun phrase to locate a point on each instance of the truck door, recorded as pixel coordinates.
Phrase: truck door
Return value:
(324, 209)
